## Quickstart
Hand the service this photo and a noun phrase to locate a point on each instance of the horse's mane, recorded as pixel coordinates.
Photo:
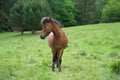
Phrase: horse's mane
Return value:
(48, 19)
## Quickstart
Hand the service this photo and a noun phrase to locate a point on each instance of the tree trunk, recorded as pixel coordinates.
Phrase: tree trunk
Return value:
(22, 32)
(33, 30)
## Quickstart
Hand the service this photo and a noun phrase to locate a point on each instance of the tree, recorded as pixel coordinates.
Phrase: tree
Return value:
(85, 11)
(3, 21)
(88, 11)
(26, 14)
(98, 12)
(68, 16)
(16, 16)
(111, 12)
(64, 11)
(4, 13)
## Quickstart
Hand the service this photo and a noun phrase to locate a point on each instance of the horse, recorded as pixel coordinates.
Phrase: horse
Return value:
(57, 39)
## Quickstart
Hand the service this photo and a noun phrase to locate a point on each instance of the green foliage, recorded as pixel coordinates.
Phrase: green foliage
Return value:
(88, 11)
(26, 14)
(3, 21)
(99, 6)
(4, 14)
(22, 15)
(115, 67)
(33, 11)
(91, 51)
(85, 11)
(16, 15)
(68, 16)
(64, 11)
(111, 12)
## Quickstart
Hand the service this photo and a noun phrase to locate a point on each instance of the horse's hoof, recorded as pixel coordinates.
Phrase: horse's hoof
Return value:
(53, 70)
(59, 70)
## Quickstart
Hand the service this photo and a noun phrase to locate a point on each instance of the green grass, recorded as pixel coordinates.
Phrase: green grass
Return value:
(92, 50)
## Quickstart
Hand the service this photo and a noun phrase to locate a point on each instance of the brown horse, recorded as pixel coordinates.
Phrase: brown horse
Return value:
(57, 39)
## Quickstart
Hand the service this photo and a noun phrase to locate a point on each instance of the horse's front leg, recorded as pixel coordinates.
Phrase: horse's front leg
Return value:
(59, 64)
(59, 60)
(53, 60)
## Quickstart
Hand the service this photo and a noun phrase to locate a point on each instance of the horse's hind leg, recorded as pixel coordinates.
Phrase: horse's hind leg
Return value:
(60, 61)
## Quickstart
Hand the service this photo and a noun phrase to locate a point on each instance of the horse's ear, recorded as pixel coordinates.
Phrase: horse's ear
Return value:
(51, 19)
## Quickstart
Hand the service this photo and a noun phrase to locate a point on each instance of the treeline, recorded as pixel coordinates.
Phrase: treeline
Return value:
(22, 15)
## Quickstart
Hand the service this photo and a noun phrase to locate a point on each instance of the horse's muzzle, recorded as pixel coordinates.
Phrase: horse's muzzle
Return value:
(42, 36)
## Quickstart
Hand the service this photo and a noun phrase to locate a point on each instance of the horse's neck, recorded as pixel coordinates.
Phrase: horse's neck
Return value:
(57, 32)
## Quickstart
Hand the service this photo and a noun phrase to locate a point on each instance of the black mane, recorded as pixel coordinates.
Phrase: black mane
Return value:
(48, 19)
(56, 22)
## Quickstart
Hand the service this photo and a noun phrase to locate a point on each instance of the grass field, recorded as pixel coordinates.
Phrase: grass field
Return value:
(93, 54)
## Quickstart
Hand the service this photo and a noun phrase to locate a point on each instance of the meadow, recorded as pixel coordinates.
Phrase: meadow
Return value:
(93, 53)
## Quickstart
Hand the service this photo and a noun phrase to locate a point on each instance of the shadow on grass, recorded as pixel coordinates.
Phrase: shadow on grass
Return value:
(8, 35)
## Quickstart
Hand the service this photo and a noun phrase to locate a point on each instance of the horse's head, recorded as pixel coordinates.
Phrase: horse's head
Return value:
(46, 27)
